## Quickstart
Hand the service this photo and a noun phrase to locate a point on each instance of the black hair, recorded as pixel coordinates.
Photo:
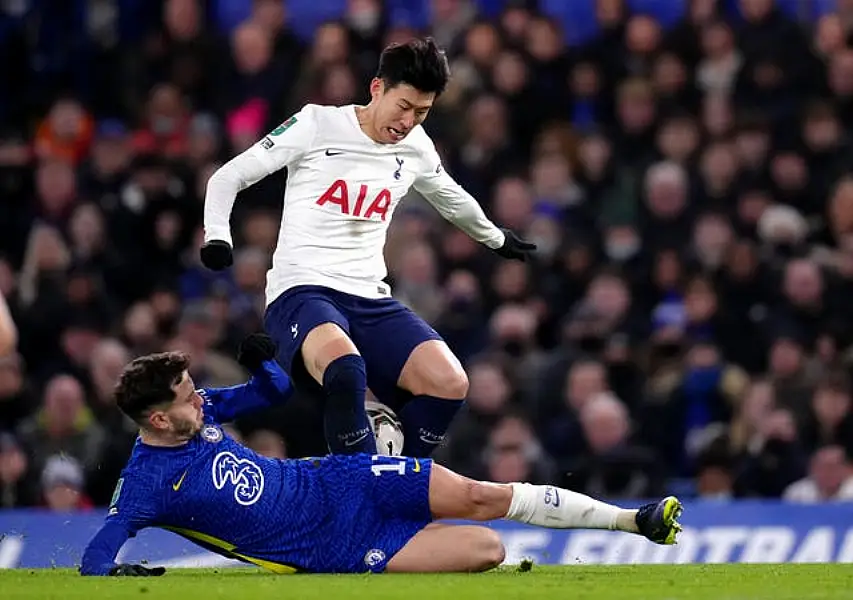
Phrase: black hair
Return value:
(148, 381)
(418, 62)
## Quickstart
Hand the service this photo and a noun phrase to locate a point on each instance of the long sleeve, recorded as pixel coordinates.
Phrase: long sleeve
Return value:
(101, 552)
(268, 387)
(132, 508)
(282, 147)
(455, 204)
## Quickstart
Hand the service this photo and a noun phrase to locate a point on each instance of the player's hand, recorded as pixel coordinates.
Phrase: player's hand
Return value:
(136, 571)
(254, 350)
(216, 255)
(514, 247)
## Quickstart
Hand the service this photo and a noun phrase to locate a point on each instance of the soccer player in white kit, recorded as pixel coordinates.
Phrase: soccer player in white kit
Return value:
(337, 327)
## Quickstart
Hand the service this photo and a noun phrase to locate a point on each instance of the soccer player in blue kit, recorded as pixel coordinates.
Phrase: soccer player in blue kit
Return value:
(336, 514)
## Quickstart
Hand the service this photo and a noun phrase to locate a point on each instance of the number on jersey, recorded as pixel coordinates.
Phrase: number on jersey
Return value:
(388, 464)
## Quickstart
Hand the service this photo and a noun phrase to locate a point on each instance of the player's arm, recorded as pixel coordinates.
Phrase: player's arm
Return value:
(460, 208)
(8, 331)
(268, 385)
(128, 513)
(282, 147)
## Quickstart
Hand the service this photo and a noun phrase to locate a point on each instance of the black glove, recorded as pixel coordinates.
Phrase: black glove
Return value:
(254, 350)
(514, 247)
(216, 255)
(136, 571)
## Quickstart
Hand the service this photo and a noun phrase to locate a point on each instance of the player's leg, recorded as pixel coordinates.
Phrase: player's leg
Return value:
(452, 496)
(440, 548)
(403, 353)
(316, 350)
(458, 548)
(439, 385)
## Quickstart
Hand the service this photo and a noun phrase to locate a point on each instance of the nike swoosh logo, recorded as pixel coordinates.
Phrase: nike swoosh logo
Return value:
(177, 486)
(417, 468)
(355, 441)
(330, 153)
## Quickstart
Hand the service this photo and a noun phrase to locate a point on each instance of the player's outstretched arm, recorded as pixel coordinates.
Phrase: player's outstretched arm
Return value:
(130, 510)
(460, 208)
(282, 147)
(268, 385)
(100, 554)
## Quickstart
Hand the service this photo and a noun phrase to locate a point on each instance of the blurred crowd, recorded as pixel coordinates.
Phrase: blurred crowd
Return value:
(684, 326)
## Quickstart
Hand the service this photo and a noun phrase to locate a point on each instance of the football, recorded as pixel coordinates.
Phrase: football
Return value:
(386, 427)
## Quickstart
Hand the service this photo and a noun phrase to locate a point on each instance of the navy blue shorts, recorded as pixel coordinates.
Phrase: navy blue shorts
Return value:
(384, 331)
(379, 504)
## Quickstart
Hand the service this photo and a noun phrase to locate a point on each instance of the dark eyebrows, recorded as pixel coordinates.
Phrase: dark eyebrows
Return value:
(407, 105)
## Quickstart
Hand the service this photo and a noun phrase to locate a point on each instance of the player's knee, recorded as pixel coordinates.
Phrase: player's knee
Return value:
(323, 346)
(451, 383)
(490, 550)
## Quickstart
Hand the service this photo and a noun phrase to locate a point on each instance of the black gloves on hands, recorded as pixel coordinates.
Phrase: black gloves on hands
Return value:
(216, 255)
(514, 247)
(136, 571)
(254, 350)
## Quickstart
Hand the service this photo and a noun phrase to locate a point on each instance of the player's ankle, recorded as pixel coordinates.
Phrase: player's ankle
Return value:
(626, 520)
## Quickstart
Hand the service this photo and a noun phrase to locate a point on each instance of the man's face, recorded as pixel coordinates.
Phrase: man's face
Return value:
(398, 110)
(184, 416)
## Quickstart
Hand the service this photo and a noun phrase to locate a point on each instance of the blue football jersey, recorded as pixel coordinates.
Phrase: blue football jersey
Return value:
(324, 514)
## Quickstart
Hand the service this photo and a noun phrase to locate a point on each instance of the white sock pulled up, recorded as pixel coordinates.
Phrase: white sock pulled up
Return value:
(556, 508)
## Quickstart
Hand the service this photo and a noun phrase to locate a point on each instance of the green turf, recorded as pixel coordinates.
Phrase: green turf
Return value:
(659, 582)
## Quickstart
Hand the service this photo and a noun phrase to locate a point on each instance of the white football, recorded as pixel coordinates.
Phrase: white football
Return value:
(386, 427)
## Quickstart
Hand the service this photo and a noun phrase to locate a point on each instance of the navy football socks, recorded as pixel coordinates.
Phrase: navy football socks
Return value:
(425, 421)
(345, 421)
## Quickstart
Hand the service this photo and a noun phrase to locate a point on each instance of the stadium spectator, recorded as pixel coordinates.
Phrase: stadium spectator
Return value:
(689, 189)
(62, 483)
(830, 478)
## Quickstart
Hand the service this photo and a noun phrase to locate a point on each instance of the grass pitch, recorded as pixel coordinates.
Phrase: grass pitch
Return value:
(634, 582)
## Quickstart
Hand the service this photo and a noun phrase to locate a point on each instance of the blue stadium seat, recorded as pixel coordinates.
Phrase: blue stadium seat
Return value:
(821, 7)
(577, 18)
(490, 8)
(667, 12)
(227, 14)
(414, 13)
(306, 15)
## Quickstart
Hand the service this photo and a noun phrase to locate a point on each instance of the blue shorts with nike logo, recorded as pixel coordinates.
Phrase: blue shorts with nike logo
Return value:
(384, 331)
(371, 506)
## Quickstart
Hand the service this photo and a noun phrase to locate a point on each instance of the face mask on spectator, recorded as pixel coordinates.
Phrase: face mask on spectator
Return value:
(620, 251)
(364, 21)
(163, 125)
(786, 249)
(514, 348)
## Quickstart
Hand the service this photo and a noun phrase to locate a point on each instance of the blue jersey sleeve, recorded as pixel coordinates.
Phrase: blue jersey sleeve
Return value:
(132, 508)
(267, 387)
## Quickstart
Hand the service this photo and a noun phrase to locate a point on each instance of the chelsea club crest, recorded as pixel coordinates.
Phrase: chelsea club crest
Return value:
(374, 557)
(211, 433)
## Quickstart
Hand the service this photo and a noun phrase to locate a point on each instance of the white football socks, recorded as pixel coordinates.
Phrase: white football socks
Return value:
(556, 508)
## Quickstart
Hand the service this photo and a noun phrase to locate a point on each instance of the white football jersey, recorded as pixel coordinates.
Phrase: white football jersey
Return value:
(342, 190)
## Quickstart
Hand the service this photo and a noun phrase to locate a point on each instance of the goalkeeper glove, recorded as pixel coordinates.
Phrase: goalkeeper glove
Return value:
(254, 350)
(136, 571)
(216, 255)
(514, 247)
